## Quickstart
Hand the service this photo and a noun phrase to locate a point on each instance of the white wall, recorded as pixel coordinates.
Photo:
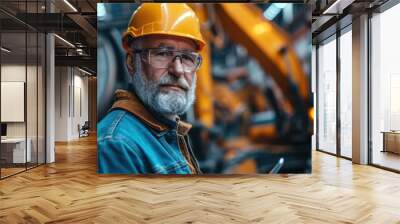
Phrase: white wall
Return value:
(71, 94)
(33, 127)
(12, 73)
(61, 103)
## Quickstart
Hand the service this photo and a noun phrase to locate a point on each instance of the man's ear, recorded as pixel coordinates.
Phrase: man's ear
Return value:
(129, 63)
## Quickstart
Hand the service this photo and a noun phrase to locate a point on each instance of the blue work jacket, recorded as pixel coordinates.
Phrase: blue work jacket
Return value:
(132, 140)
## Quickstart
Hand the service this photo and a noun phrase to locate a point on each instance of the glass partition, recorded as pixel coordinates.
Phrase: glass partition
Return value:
(346, 92)
(31, 97)
(327, 95)
(22, 89)
(385, 88)
(41, 110)
(13, 94)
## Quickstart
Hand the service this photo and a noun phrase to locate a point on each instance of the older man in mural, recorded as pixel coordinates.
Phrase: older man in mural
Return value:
(142, 133)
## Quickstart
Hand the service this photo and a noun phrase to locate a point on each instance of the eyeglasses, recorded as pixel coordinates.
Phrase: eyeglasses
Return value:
(163, 57)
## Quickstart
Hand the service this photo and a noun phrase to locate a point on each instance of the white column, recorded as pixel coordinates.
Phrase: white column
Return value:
(50, 99)
(360, 90)
(50, 92)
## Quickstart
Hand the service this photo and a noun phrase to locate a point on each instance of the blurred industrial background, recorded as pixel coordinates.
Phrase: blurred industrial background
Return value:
(253, 93)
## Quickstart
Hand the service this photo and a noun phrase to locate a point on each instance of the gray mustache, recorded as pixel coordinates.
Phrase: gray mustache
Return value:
(169, 79)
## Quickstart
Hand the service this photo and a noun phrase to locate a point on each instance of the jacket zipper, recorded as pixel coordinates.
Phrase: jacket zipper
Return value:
(187, 151)
(193, 158)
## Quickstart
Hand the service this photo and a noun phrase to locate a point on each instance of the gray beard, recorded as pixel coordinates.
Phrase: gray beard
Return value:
(167, 103)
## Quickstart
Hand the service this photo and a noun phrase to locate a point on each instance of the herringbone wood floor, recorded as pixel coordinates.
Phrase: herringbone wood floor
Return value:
(70, 191)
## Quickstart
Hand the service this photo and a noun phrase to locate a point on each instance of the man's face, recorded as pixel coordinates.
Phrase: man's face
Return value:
(170, 90)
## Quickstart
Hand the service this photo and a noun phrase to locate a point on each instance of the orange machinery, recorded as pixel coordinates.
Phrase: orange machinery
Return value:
(266, 42)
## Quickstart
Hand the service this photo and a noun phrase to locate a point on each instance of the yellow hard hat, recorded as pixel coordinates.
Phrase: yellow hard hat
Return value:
(175, 19)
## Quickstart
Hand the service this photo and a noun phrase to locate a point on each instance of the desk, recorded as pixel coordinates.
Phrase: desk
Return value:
(13, 150)
(391, 141)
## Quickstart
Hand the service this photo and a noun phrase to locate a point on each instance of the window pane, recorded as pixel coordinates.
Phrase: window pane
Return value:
(385, 88)
(345, 94)
(327, 96)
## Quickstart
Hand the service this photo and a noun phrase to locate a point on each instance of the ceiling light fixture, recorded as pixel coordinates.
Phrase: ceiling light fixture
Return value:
(84, 71)
(337, 7)
(5, 50)
(331, 8)
(65, 41)
(70, 5)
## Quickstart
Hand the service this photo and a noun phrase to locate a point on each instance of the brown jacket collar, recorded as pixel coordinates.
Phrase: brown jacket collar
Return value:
(128, 101)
